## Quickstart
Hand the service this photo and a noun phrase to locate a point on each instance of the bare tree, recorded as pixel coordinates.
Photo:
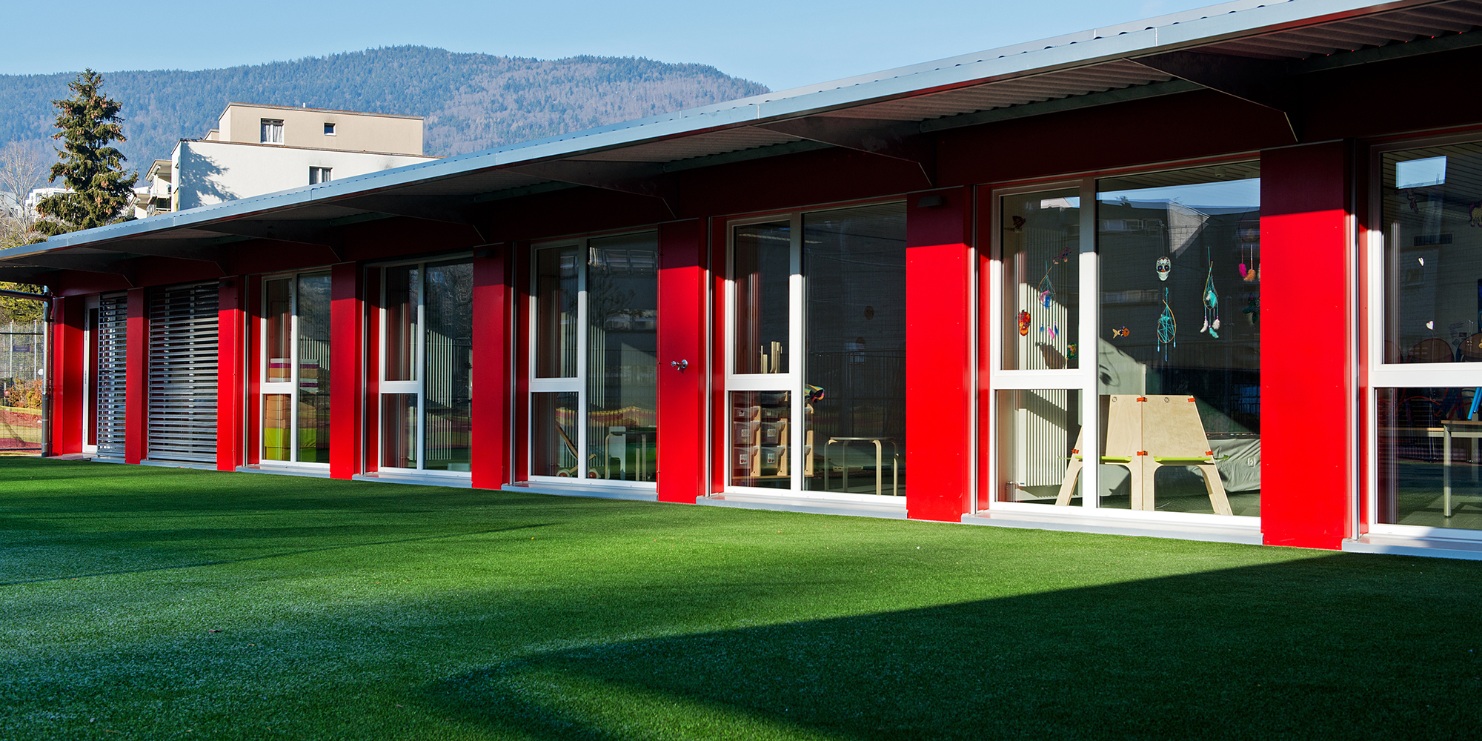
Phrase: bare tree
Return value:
(22, 168)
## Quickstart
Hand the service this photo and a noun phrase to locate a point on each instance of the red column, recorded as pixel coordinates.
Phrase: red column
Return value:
(939, 355)
(491, 368)
(231, 326)
(136, 378)
(682, 333)
(1307, 400)
(69, 319)
(347, 364)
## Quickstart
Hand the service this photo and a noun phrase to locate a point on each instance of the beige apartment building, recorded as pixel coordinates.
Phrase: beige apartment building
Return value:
(259, 149)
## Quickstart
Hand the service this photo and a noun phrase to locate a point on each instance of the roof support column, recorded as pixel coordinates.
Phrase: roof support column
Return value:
(682, 367)
(346, 370)
(939, 355)
(136, 378)
(1306, 271)
(231, 328)
(492, 384)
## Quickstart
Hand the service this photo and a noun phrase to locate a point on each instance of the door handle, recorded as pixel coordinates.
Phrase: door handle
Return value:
(679, 365)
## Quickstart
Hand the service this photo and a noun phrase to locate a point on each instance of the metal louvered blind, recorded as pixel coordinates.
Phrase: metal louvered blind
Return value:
(182, 373)
(112, 329)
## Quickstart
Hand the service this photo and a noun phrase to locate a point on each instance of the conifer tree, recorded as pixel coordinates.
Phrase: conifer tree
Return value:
(87, 125)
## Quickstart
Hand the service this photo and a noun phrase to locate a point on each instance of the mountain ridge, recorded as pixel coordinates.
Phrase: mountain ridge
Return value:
(470, 101)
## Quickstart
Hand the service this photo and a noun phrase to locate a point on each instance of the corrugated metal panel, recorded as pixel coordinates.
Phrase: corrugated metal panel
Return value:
(112, 329)
(1365, 32)
(183, 338)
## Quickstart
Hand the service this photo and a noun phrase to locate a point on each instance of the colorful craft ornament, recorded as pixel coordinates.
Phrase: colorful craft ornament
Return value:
(1167, 327)
(1211, 305)
(1121, 332)
(1046, 288)
(1023, 324)
(1070, 352)
(1164, 266)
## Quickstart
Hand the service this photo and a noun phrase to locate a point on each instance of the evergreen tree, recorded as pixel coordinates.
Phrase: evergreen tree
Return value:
(88, 123)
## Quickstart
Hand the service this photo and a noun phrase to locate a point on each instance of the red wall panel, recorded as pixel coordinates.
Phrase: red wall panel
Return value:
(347, 363)
(1306, 387)
(939, 355)
(136, 378)
(682, 336)
(69, 320)
(491, 368)
(231, 364)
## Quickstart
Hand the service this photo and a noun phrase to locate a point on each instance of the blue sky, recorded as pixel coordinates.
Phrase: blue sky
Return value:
(779, 43)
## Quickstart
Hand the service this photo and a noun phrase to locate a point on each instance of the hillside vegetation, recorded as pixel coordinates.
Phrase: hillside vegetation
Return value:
(470, 101)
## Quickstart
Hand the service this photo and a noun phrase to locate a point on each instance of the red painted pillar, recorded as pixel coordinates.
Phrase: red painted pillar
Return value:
(489, 437)
(682, 334)
(939, 355)
(69, 318)
(347, 370)
(136, 378)
(231, 327)
(1307, 399)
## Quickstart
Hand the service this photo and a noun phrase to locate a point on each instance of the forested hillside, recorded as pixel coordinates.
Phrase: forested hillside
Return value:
(471, 101)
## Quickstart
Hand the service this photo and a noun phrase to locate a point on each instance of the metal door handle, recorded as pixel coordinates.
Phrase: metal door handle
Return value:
(679, 365)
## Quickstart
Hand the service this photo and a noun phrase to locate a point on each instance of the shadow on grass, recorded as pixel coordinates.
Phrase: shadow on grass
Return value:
(1306, 648)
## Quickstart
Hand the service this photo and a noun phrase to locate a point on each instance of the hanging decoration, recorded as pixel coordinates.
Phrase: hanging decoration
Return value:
(1475, 212)
(1120, 333)
(1046, 298)
(1024, 319)
(1167, 327)
(1070, 352)
(1252, 310)
(1164, 266)
(1211, 305)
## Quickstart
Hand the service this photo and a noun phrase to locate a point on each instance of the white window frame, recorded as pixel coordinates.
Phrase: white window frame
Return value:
(267, 127)
(567, 384)
(416, 386)
(1383, 375)
(290, 387)
(325, 174)
(331, 128)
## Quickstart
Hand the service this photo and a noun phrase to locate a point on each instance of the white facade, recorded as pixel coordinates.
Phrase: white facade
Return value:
(207, 172)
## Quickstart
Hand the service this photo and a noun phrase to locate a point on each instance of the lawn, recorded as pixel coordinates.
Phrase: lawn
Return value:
(147, 603)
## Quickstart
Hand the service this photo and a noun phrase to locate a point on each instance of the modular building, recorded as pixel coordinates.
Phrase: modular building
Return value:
(1212, 275)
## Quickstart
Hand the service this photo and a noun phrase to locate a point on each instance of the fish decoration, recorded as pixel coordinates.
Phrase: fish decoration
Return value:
(1121, 332)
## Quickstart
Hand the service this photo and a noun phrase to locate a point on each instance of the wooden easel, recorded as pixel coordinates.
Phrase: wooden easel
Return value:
(1144, 433)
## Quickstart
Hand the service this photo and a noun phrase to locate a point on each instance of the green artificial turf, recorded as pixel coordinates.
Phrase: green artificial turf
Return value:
(146, 603)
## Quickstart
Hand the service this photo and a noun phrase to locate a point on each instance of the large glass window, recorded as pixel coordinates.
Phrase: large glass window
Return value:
(594, 391)
(1427, 315)
(426, 366)
(295, 369)
(1040, 241)
(826, 288)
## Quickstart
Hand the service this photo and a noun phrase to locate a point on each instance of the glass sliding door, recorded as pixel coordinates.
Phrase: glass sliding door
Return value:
(1160, 412)
(594, 380)
(1425, 341)
(295, 369)
(426, 366)
(816, 352)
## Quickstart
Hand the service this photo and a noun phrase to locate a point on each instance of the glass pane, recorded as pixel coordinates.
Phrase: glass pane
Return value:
(449, 379)
(760, 439)
(1429, 461)
(403, 288)
(555, 312)
(313, 368)
(1038, 444)
(762, 262)
(553, 435)
(1180, 328)
(277, 308)
(854, 261)
(1432, 254)
(1040, 236)
(276, 412)
(622, 360)
(399, 430)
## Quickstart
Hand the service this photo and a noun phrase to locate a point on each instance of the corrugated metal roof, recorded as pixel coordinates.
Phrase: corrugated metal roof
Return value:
(941, 93)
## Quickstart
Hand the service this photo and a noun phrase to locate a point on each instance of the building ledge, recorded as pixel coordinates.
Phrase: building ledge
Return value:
(1241, 532)
(316, 473)
(451, 482)
(1429, 547)
(590, 491)
(892, 508)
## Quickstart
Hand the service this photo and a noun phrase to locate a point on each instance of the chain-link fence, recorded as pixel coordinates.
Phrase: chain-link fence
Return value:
(22, 359)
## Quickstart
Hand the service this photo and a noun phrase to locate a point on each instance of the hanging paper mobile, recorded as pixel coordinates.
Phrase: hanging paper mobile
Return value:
(1023, 323)
(1211, 305)
(1163, 266)
(1167, 327)
(1047, 297)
